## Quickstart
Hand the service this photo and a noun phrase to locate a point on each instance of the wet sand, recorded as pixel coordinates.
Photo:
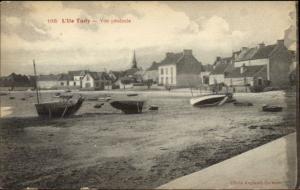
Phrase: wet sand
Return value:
(104, 148)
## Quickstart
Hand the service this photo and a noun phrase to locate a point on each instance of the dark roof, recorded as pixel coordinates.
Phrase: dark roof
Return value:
(50, 77)
(219, 69)
(185, 63)
(264, 52)
(66, 77)
(131, 71)
(78, 73)
(247, 54)
(250, 71)
(153, 67)
(171, 58)
(260, 52)
(99, 75)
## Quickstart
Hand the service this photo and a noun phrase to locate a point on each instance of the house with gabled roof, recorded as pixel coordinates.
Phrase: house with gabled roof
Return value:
(276, 57)
(220, 67)
(76, 77)
(180, 70)
(96, 81)
(151, 73)
(252, 76)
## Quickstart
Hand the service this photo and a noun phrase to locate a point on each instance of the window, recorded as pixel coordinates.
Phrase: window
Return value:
(87, 78)
(167, 80)
(62, 84)
(162, 71)
(166, 71)
(171, 71)
(162, 80)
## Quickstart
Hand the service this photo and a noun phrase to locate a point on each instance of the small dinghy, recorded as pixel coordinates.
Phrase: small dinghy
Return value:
(92, 99)
(153, 107)
(98, 105)
(133, 94)
(12, 98)
(269, 108)
(210, 100)
(128, 106)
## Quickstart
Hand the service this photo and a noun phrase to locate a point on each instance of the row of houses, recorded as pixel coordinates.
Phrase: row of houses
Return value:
(255, 67)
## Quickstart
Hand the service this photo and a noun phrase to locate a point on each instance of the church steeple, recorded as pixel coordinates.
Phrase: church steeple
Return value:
(134, 63)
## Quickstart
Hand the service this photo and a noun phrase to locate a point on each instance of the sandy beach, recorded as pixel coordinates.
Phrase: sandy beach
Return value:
(105, 148)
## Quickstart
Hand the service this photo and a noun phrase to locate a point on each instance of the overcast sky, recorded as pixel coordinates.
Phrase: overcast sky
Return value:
(210, 29)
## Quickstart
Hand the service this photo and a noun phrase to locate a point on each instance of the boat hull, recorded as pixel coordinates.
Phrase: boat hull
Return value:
(209, 100)
(58, 109)
(128, 106)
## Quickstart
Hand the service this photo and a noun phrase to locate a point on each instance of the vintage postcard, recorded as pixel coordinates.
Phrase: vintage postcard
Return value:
(149, 95)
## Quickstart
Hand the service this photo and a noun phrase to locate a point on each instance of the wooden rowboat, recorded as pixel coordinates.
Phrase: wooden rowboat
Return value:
(58, 109)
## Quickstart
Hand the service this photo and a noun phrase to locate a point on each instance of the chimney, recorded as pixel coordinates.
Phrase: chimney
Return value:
(280, 42)
(261, 45)
(187, 52)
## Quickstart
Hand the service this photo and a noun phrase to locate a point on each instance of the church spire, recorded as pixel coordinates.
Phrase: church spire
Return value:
(134, 63)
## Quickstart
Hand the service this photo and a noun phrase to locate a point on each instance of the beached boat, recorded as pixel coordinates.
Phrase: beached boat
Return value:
(133, 94)
(58, 108)
(210, 100)
(269, 108)
(128, 106)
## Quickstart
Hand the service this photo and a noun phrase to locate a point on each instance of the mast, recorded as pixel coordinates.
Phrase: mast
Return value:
(36, 85)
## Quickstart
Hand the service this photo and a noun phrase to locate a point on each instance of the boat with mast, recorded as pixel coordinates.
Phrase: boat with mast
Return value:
(55, 109)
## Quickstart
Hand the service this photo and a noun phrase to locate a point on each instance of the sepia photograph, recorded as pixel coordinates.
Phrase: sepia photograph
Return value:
(149, 95)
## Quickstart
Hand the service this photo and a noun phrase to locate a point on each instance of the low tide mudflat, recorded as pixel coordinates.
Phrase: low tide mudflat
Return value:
(104, 148)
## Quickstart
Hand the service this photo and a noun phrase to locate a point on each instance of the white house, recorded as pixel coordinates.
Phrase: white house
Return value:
(76, 78)
(179, 69)
(96, 81)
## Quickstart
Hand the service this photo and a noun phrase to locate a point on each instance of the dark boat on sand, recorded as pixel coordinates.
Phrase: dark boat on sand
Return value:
(133, 94)
(269, 108)
(128, 106)
(61, 109)
(58, 109)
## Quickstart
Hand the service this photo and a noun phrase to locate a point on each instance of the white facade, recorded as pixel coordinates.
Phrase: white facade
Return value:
(167, 75)
(255, 62)
(88, 81)
(216, 79)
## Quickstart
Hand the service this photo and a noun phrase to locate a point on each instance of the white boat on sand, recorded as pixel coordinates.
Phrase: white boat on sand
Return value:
(210, 100)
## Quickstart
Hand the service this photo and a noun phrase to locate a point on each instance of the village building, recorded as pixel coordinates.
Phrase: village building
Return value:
(64, 81)
(48, 81)
(151, 74)
(204, 75)
(76, 78)
(131, 76)
(96, 81)
(276, 57)
(254, 78)
(180, 70)
(220, 66)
